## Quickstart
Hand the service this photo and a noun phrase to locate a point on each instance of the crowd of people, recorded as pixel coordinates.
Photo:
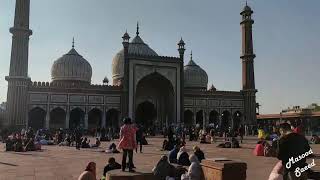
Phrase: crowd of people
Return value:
(21, 141)
(283, 142)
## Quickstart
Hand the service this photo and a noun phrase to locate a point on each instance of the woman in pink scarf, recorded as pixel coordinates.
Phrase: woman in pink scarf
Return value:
(127, 143)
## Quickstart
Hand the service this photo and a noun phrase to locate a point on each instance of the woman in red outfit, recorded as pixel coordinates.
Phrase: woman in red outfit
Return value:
(127, 143)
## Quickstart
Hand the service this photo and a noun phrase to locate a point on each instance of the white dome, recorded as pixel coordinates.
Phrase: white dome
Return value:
(71, 67)
(195, 76)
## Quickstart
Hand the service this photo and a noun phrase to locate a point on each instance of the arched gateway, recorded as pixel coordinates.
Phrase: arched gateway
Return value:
(155, 104)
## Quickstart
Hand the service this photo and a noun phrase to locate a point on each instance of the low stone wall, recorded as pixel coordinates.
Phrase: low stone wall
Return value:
(213, 169)
(223, 169)
(138, 175)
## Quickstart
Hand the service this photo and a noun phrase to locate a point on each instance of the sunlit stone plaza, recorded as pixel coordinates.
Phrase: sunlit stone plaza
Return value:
(61, 162)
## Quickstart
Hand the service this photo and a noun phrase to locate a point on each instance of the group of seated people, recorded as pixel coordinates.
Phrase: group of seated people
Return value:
(164, 170)
(85, 143)
(168, 145)
(207, 138)
(19, 143)
(179, 155)
(263, 148)
(229, 143)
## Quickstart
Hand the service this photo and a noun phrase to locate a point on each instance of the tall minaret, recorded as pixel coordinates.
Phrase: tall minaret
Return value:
(181, 50)
(18, 79)
(247, 56)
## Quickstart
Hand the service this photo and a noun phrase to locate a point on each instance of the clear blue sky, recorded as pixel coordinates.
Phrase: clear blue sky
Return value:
(286, 40)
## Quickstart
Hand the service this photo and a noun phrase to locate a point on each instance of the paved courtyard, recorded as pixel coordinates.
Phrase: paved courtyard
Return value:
(57, 163)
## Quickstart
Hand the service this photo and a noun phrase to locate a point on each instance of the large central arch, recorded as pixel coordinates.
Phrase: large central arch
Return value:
(155, 93)
(146, 114)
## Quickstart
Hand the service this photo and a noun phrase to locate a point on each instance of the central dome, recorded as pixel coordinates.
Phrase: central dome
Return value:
(136, 47)
(71, 67)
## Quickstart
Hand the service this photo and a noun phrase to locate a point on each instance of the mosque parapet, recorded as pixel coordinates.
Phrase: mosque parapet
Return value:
(38, 84)
(151, 57)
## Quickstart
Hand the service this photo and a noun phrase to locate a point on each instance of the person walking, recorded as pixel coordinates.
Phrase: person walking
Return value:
(127, 143)
(139, 138)
(78, 136)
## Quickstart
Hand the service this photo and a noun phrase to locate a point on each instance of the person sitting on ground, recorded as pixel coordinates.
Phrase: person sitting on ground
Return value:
(173, 154)
(194, 171)
(9, 144)
(85, 143)
(89, 173)
(259, 149)
(37, 145)
(199, 153)
(65, 142)
(165, 145)
(144, 140)
(268, 150)
(97, 144)
(234, 143)
(18, 146)
(261, 134)
(315, 139)
(112, 164)
(163, 169)
(112, 149)
(183, 157)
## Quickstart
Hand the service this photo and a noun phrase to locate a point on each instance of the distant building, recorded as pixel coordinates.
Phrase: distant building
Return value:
(308, 116)
(156, 91)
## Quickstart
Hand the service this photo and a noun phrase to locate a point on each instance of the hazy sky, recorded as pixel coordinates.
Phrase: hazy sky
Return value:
(286, 40)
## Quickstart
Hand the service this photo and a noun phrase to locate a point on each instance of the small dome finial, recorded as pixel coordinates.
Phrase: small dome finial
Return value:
(73, 43)
(137, 28)
(191, 55)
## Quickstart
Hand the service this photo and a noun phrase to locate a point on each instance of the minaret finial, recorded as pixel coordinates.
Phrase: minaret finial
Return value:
(73, 43)
(137, 28)
(246, 3)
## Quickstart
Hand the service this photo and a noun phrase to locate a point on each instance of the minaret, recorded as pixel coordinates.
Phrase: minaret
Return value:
(181, 51)
(247, 56)
(18, 80)
(125, 83)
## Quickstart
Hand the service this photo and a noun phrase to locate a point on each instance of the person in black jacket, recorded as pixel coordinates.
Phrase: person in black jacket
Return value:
(183, 157)
(291, 147)
(112, 164)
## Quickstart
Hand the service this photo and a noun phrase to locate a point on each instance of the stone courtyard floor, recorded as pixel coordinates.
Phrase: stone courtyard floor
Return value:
(59, 163)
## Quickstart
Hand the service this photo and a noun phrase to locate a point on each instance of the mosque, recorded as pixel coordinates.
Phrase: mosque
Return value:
(156, 91)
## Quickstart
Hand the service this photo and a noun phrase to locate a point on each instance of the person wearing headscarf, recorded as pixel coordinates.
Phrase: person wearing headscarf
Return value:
(173, 154)
(183, 157)
(199, 153)
(89, 173)
(163, 169)
(194, 171)
(127, 143)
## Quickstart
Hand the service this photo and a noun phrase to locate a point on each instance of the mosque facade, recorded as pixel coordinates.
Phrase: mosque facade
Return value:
(156, 91)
